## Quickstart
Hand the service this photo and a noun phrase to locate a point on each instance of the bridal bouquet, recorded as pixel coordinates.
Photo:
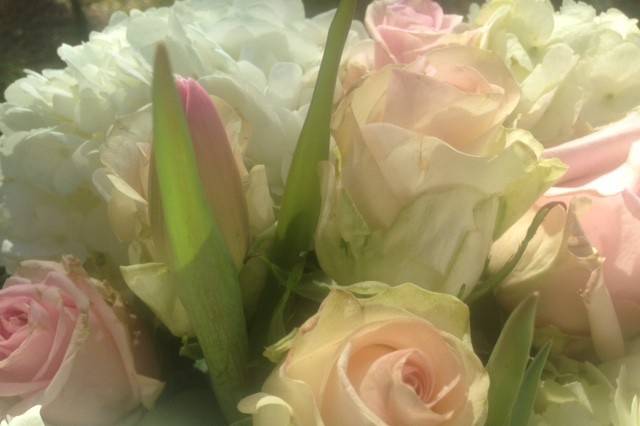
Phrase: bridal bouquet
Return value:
(224, 212)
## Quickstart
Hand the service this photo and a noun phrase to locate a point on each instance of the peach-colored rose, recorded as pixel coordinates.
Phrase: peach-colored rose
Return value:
(400, 358)
(405, 29)
(585, 260)
(63, 347)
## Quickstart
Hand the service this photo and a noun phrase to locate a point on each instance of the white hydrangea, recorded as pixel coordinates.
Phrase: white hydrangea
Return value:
(259, 56)
(574, 393)
(577, 68)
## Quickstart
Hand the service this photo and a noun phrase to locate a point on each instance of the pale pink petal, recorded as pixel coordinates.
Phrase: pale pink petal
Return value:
(605, 328)
(612, 220)
(22, 364)
(448, 86)
(401, 393)
(612, 225)
(364, 376)
(101, 397)
(599, 152)
(404, 29)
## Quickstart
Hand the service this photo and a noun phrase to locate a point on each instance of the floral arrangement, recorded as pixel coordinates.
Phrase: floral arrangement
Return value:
(225, 212)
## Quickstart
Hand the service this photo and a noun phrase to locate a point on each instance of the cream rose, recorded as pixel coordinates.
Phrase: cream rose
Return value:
(64, 348)
(584, 260)
(401, 357)
(426, 174)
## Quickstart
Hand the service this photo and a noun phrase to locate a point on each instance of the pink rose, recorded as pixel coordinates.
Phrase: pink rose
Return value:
(404, 29)
(585, 261)
(63, 347)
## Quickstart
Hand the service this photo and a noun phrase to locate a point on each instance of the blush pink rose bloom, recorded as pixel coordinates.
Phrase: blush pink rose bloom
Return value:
(400, 358)
(585, 259)
(404, 29)
(62, 346)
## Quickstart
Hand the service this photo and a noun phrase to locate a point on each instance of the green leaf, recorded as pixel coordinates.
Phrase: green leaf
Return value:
(301, 201)
(191, 348)
(523, 407)
(496, 279)
(277, 351)
(278, 323)
(202, 266)
(508, 361)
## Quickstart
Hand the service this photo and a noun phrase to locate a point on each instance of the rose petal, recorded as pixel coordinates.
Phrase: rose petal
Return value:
(598, 152)
(604, 326)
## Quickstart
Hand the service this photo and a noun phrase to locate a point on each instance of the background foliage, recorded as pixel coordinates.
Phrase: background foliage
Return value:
(31, 30)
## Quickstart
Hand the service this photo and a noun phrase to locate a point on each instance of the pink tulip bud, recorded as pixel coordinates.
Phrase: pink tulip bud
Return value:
(217, 167)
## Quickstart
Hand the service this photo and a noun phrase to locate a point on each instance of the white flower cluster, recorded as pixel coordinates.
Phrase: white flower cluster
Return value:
(260, 56)
(577, 69)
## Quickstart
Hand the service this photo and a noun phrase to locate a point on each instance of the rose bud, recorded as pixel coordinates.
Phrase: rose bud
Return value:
(219, 135)
(217, 167)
